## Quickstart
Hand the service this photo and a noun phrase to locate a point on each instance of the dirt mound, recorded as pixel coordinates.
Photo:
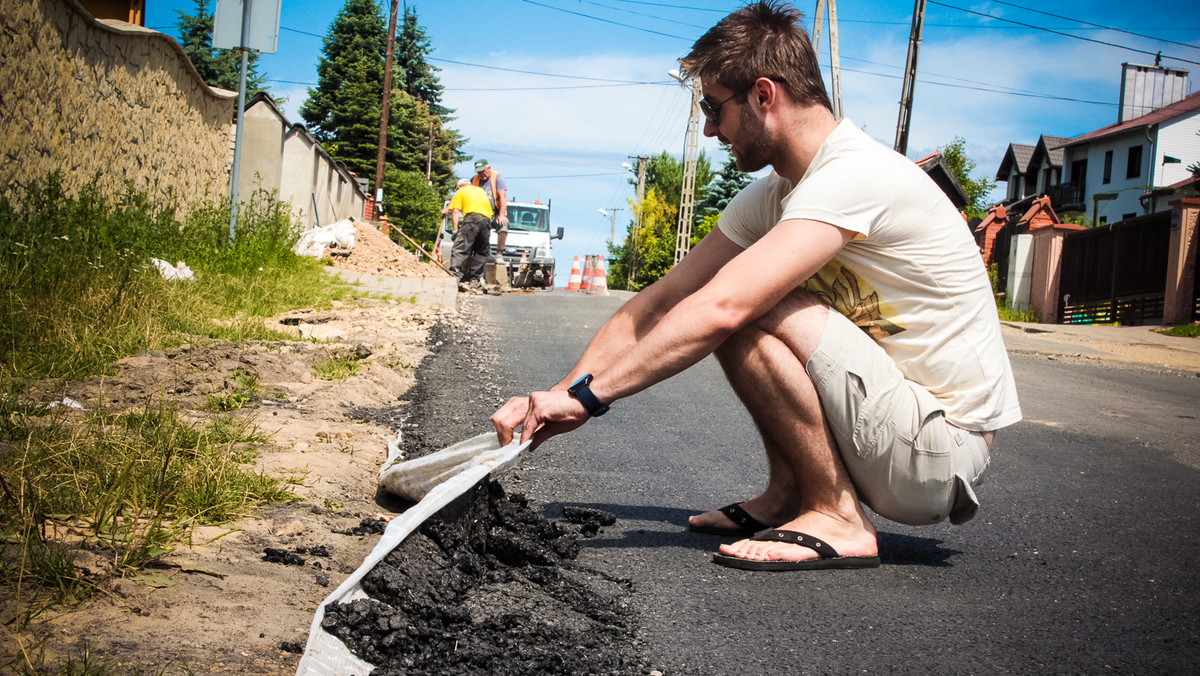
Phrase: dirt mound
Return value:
(489, 587)
(375, 254)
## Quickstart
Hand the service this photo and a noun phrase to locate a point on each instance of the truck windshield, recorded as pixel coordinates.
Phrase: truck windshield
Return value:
(528, 219)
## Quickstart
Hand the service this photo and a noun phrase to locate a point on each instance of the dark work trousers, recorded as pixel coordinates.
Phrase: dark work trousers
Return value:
(470, 251)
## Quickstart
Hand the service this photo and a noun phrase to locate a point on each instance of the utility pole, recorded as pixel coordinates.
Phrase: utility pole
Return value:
(387, 106)
(910, 77)
(612, 213)
(429, 157)
(835, 64)
(637, 221)
(683, 240)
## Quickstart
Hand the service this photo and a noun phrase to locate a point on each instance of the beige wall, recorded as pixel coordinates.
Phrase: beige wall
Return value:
(86, 97)
(279, 156)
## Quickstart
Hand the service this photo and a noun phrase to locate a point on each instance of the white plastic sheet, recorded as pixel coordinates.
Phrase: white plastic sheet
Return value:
(178, 271)
(314, 242)
(438, 478)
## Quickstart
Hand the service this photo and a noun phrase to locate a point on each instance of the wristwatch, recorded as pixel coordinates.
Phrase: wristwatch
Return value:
(583, 394)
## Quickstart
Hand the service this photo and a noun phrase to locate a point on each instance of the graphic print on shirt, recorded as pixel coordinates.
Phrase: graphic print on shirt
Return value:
(838, 287)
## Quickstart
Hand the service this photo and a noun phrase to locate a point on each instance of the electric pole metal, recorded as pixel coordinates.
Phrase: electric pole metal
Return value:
(835, 64)
(387, 106)
(683, 240)
(910, 77)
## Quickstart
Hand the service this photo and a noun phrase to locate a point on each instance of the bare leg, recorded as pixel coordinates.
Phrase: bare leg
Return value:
(809, 489)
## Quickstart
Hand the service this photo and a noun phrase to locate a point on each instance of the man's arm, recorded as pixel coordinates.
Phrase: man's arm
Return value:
(502, 207)
(633, 321)
(743, 290)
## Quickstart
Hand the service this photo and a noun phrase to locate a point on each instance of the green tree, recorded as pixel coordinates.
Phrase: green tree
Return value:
(412, 205)
(419, 78)
(720, 192)
(344, 109)
(218, 67)
(977, 189)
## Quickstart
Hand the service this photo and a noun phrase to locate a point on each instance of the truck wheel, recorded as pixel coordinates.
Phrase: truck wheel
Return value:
(549, 283)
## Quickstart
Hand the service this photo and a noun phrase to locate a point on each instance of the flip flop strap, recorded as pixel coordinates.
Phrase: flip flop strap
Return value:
(818, 545)
(742, 518)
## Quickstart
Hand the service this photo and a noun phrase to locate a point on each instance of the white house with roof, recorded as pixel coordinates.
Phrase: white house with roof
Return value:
(1126, 162)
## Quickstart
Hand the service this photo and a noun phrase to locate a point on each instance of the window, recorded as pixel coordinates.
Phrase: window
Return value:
(1133, 168)
(1126, 217)
(1108, 166)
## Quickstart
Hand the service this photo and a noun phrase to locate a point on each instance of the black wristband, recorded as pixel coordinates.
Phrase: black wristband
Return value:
(583, 394)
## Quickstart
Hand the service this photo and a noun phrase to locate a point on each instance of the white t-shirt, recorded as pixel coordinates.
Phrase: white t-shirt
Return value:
(912, 277)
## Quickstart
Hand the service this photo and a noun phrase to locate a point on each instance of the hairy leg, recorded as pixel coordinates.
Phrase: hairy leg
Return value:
(809, 489)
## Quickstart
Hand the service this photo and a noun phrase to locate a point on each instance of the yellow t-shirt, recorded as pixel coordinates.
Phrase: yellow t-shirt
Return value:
(471, 199)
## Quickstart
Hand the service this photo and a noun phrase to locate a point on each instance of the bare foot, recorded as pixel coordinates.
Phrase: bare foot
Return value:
(855, 537)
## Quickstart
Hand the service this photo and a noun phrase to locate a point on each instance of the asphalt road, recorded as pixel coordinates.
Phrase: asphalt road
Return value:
(1080, 561)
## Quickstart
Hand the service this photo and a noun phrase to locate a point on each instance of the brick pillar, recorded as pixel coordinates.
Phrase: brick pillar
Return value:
(1181, 262)
(1047, 270)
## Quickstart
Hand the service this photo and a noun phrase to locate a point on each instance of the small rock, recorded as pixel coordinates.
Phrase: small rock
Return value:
(306, 378)
(323, 580)
(293, 527)
(290, 647)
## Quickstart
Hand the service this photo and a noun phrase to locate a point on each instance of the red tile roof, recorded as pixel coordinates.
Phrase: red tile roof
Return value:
(1168, 112)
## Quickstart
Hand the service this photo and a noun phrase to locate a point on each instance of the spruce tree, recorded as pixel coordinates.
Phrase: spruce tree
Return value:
(218, 67)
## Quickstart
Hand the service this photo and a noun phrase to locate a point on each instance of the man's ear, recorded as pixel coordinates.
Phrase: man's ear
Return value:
(765, 93)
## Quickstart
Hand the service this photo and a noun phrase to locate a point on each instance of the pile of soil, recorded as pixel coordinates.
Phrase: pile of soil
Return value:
(375, 254)
(489, 586)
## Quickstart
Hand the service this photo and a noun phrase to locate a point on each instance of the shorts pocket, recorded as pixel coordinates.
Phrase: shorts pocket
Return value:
(874, 418)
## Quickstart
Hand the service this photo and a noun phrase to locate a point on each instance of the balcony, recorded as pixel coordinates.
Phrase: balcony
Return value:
(1067, 197)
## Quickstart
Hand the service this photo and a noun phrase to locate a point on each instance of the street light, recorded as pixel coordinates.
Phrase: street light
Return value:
(612, 238)
(683, 238)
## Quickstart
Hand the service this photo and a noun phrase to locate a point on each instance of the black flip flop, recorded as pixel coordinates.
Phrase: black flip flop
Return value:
(746, 524)
(827, 556)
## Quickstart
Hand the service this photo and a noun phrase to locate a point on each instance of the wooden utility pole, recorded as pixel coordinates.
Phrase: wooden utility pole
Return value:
(910, 77)
(429, 157)
(637, 221)
(387, 107)
(683, 240)
(835, 64)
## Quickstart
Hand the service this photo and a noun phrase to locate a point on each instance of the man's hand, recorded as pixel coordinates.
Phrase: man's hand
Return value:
(502, 220)
(541, 415)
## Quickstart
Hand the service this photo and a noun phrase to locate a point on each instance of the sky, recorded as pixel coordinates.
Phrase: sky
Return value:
(558, 94)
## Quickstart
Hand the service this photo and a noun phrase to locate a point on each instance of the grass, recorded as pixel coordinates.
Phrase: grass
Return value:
(77, 292)
(338, 367)
(1186, 331)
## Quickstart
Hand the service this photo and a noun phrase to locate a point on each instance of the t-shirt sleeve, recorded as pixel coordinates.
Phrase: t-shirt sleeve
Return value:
(751, 213)
(456, 202)
(500, 184)
(844, 193)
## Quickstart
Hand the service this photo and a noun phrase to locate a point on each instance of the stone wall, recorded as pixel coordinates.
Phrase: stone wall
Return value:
(94, 97)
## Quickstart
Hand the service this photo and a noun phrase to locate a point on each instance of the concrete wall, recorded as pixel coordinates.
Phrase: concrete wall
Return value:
(280, 156)
(89, 97)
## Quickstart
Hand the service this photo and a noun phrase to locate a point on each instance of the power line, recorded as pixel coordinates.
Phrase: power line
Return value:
(596, 18)
(1096, 25)
(531, 72)
(1066, 35)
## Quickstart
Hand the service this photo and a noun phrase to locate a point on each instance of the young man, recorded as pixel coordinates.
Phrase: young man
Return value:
(844, 299)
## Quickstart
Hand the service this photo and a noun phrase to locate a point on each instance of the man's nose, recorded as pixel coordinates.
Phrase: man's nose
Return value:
(710, 129)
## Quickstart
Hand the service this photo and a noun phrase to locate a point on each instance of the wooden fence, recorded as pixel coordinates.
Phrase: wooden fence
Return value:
(1116, 273)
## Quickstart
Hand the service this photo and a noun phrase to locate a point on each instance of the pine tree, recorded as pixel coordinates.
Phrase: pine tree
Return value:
(344, 110)
(218, 67)
(720, 192)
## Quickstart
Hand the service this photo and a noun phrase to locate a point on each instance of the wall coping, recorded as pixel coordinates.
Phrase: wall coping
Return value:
(119, 27)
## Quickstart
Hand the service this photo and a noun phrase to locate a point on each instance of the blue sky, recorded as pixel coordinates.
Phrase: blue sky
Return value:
(557, 94)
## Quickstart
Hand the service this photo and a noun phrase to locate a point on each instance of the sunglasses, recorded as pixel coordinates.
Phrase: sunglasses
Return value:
(713, 110)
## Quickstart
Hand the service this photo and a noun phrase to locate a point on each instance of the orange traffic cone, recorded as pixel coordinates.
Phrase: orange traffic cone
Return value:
(576, 279)
(587, 274)
(599, 278)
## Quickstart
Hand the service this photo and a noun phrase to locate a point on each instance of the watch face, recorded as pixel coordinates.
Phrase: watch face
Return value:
(585, 379)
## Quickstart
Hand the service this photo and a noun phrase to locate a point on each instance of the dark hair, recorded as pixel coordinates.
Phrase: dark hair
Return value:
(764, 39)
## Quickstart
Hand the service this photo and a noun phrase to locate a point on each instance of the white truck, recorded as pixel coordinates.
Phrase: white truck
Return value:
(527, 254)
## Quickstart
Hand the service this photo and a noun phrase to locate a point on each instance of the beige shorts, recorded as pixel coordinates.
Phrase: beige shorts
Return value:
(907, 462)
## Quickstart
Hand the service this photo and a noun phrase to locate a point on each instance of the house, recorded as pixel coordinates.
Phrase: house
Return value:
(939, 170)
(1014, 170)
(1132, 167)
(1129, 168)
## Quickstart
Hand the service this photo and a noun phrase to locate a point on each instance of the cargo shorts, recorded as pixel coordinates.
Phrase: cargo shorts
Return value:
(907, 462)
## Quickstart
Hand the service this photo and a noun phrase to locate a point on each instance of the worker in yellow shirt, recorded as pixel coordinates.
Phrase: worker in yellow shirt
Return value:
(470, 220)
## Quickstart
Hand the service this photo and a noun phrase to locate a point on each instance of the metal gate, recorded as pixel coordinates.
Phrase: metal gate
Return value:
(1116, 273)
